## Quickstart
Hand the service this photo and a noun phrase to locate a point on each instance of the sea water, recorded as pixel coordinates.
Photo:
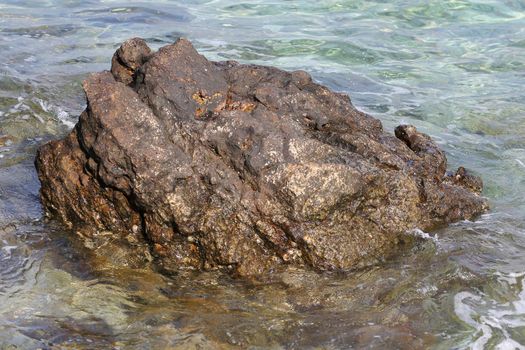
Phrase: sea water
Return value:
(453, 68)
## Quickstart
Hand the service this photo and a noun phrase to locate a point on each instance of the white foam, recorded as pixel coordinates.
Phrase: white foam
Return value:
(61, 115)
(509, 344)
(484, 314)
(422, 234)
(43, 104)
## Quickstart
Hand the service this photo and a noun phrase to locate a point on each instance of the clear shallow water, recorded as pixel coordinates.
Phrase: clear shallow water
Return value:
(455, 69)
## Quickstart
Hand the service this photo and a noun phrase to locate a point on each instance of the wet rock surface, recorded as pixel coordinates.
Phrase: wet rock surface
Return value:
(203, 164)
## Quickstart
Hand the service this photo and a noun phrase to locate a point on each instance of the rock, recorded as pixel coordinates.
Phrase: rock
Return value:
(128, 58)
(464, 178)
(242, 167)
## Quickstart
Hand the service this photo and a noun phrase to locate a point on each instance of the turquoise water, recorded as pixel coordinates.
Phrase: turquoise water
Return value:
(455, 69)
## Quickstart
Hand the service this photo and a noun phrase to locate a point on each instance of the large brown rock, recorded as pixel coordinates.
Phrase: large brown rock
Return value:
(241, 166)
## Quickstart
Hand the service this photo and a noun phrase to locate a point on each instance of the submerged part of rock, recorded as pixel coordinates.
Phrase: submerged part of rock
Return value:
(217, 164)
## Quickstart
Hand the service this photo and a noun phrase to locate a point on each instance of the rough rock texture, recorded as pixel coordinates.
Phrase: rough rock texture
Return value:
(243, 167)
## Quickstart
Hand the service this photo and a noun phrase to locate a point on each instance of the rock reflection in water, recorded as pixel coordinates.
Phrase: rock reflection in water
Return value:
(71, 297)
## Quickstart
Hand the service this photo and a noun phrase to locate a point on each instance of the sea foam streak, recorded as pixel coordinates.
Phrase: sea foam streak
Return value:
(488, 317)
